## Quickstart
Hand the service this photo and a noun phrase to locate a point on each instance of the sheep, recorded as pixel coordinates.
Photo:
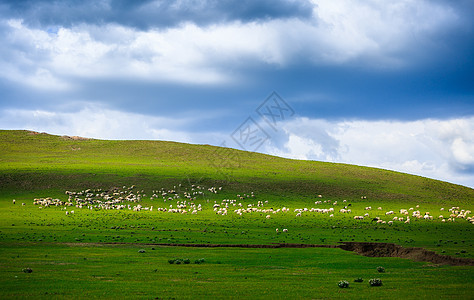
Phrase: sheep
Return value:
(268, 217)
(14, 201)
(285, 230)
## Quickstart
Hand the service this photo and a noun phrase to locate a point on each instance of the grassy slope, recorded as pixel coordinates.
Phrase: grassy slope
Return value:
(36, 162)
(45, 165)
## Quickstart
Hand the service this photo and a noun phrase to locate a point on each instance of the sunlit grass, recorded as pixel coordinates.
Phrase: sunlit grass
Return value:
(72, 255)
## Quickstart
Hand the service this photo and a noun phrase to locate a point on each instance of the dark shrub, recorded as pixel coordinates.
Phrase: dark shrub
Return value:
(199, 261)
(343, 284)
(381, 269)
(375, 282)
(27, 270)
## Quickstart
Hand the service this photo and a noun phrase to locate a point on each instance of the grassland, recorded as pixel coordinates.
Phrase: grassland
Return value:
(94, 253)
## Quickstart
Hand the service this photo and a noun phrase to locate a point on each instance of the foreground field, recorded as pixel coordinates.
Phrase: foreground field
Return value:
(68, 246)
(98, 271)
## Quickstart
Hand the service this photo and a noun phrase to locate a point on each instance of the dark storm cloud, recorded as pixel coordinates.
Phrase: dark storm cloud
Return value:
(146, 14)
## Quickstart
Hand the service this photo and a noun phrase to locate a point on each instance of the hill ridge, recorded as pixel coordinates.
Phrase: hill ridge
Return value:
(22, 154)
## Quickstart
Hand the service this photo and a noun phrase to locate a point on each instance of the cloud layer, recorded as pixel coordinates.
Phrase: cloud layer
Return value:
(51, 53)
(442, 149)
(377, 83)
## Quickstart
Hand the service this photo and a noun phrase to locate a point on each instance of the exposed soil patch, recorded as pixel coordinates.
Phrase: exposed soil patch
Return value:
(393, 250)
(75, 138)
(361, 248)
(31, 132)
(278, 245)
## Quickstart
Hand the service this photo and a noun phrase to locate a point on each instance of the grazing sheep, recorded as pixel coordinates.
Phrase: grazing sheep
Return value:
(285, 230)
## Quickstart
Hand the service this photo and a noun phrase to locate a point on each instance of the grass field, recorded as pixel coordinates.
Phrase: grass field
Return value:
(93, 252)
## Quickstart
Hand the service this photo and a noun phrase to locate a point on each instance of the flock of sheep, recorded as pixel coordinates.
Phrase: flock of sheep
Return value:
(184, 200)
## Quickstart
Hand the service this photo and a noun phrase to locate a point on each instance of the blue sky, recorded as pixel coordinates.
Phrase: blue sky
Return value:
(379, 83)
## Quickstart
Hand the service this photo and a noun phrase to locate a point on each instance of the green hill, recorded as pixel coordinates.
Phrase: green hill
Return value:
(39, 161)
(106, 238)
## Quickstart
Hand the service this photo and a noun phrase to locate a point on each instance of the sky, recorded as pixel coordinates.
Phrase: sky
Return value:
(387, 84)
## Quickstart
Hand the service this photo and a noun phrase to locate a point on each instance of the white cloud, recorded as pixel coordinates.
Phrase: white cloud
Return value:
(440, 149)
(96, 122)
(379, 28)
(340, 31)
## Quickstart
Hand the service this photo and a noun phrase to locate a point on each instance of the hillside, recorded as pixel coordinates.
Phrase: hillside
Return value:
(33, 161)
(82, 216)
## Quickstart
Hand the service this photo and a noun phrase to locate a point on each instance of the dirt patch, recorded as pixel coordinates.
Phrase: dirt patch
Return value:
(277, 245)
(393, 250)
(31, 132)
(74, 138)
(361, 248)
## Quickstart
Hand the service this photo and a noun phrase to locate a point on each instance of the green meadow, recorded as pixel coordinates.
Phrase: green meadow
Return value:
(91, 250)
